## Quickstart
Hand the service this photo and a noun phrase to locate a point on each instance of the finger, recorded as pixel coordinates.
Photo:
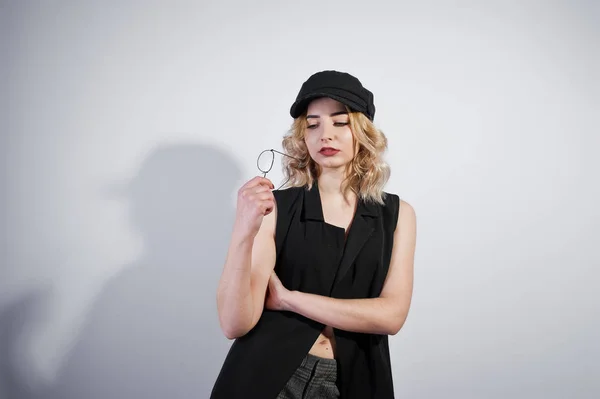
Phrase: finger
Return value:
(258, 199)
(258, 180)
(267, 207)
(262, 188)
(268, 182)
(263, 196)
(250, 183)
(257, 194)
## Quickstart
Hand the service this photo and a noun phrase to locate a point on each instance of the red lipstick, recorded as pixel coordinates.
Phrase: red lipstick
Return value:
(328, 151)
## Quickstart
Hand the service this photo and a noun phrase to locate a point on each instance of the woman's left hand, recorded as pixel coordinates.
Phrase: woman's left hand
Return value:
(278, 295)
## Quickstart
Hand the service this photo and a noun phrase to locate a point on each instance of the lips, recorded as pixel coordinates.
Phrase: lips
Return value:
(328, 151)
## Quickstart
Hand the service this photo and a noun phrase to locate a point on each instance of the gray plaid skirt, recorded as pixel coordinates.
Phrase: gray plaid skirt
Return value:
(315, 378)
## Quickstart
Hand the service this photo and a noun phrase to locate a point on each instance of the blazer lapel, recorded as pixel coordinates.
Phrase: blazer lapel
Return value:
(360, 231)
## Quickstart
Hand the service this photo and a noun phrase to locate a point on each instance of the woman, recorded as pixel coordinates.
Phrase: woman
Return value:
(319, 274)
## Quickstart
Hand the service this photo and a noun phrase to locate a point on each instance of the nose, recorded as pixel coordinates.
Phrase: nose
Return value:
(327, 133)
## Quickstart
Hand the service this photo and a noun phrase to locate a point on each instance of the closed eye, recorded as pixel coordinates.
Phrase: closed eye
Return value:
(338, 124)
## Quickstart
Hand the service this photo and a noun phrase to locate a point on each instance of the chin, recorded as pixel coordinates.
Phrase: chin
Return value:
(332, 163)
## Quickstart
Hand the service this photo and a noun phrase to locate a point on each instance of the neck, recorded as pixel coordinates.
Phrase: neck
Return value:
(330, 184)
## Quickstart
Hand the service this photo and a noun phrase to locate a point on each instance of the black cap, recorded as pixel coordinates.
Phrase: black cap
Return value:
(340, 86)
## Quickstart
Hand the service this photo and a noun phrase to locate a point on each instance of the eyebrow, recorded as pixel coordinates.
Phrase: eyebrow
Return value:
(334, 114)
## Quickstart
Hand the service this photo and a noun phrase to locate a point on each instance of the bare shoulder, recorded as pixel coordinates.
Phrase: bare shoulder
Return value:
(406, 225)
(401, 211)
(406, 214)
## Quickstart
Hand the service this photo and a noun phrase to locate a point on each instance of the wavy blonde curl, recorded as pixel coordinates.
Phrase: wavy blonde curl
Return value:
(366, 174)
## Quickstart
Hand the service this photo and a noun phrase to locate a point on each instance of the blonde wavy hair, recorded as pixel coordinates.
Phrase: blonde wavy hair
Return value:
(366, 174)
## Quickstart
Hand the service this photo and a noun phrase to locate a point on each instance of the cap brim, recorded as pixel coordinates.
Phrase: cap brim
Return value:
(354, 102)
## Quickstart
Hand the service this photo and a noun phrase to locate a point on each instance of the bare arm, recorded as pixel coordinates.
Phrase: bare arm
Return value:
(242, 287)
(383, 315)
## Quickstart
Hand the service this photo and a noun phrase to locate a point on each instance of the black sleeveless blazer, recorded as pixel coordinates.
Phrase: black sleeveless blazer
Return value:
(314, 257)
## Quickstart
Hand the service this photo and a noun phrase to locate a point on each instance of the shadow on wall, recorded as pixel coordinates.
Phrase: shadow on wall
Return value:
(154, 331)
(14, 319)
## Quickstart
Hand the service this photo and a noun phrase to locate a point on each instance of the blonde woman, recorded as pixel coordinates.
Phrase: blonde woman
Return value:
(320, 273)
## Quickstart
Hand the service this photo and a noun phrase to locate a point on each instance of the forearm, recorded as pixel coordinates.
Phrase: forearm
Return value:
(370, 315)
(234, 295)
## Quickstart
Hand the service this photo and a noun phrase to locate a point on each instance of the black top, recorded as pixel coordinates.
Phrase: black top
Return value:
(315, 257)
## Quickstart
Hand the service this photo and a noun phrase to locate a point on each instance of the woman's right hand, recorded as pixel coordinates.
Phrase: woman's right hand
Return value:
(254, 201)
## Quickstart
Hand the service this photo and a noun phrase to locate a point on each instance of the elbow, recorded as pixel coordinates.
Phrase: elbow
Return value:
(234, 323)
(395, 323)
(228, 330)
(233, 327)
(233, 332)
(395, 316)
(394, 328)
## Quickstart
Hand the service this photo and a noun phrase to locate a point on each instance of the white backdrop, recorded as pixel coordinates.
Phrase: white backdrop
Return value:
(128, 126)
